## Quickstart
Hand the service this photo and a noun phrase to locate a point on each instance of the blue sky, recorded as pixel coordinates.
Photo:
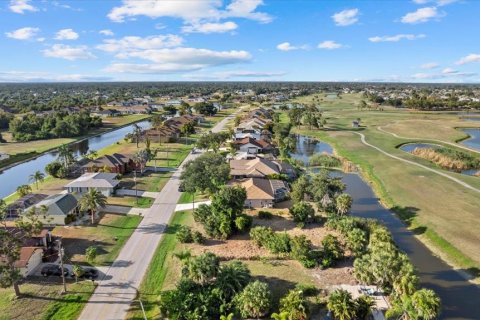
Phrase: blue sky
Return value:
(226, 40)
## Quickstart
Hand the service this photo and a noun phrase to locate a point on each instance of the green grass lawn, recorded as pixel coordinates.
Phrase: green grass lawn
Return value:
(131, 201)
(149, 181)
(186, 197)
(446, 212)
(157, 272)
(108, 235)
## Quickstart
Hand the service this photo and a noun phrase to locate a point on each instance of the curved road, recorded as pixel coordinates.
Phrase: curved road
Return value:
(117, 290)
(458, 181)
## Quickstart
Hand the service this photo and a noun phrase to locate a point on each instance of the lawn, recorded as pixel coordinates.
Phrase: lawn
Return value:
(109, 235)
(130, 201)
(49, 185)
(42, 298)
(149, 181)
(446, 211)
(186, 197)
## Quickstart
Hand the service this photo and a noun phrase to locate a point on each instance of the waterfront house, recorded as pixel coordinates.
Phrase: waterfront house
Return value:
(18, 206)
(253, 146)
(115, 163)
(104, 182)
(263, 193)
(59, 207)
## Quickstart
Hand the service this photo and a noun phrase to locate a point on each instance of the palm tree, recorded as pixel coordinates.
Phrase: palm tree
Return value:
(92, 154)
(77, 271)
(232, 278)
(426, 304)
(341, 304)
(23, 190)
(344, 203)
(281, 316)
(66, 155)
(137, 131)
(38, 176)
(92, 200)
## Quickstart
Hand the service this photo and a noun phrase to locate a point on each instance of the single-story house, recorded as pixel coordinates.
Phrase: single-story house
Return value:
(32, 251)
(263, 193)
(259, 168)
(104, 182)
(116, 163)
(162, 134)
(253, 146)
(23, 203)
(58, 206)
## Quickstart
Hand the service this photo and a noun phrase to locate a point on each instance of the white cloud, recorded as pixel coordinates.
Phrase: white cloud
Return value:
(449, 71)
(20, 6)
(346, 17)
(396, 38)
(286, 46)
(437, 2)
(189, 11)
(210, 27)
(106, 32)
(22, 76)
(473, 57)
(130, 43)
(429, 65)
(330, 45)
(68, 52)
(226, 75)
(23, 33)
(422, 15)
(66, 34)
(174, 60)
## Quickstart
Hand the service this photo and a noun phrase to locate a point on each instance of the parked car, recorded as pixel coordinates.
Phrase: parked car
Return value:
(181, 188)
(89, 273)
(53, 270)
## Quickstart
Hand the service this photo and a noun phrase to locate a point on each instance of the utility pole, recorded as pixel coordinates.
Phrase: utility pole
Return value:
(60, 250)
(135, 181)
(141, 304)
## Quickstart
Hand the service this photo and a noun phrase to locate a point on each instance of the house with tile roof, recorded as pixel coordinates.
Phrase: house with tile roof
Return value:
(263, 193)
(253, 146)
(115, 163)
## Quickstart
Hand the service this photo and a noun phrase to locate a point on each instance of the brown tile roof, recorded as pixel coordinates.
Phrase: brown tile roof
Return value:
(255, 168)
(259, 143)
(113, 160)
(261, 189)
(25, 254)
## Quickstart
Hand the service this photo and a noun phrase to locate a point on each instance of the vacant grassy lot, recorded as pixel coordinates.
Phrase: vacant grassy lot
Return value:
(42, 300)
(109, 235)
(447, 212)
(148, 181)
(130, 201)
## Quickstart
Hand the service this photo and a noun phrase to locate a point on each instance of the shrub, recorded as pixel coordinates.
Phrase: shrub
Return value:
(184, 234)
(302, 212)
(255, 300)
(243, 222)
(279, 243)
(265, 215)
(301, 251)
(309, 290)
(91, 254)
(357, 241)
(295, 304)
(261, 235)
(332, 251)
(324, 160)
(198, 237)
(53, 168)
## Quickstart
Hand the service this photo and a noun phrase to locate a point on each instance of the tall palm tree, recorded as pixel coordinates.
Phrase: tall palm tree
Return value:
(91, 201)
(37, 177)
(342, 305)
(232, 278)
(137, 131)
(65, 154)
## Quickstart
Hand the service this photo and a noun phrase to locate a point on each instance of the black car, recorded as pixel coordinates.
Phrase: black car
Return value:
(89, 273)
(181, 188)
(53, 270)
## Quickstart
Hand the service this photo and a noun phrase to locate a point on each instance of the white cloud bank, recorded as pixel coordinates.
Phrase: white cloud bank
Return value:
(422, 15)
(131, 43)
(26, 33)
(396, 38)
(20, 6)
(473, 57)
(346, 17)
(329, 45)
(429, 65)
(287, 46)
(210, 27)
(66, 52)
(66, 34)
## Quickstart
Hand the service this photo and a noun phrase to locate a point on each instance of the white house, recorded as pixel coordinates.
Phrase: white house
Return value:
(104, 182)
(59, 206)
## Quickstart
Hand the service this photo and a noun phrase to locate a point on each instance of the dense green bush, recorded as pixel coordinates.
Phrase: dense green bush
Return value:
(324, 160)
(198, 237)
(309, 290)
(55, 169)
(255, 300)
(184, 234)
(302, 212)
(243, 222)
(331, 251)
(301, 250)
(295, 304)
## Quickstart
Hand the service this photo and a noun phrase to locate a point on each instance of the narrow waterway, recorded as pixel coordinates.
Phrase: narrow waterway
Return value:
(460, 298)
(473, 141)
(15, 176)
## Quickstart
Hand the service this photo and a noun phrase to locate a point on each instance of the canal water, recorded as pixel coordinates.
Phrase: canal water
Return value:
(460, 298)
(472, 142)
(15, 176)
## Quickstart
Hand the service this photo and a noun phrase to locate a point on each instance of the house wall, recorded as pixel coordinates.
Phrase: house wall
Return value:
(34, 262)
(105, 191)
(241, 135)
(259, 203)
(58, 220)
(249, 148)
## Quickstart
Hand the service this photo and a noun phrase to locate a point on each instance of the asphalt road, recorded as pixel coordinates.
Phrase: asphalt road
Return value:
(117, 290)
